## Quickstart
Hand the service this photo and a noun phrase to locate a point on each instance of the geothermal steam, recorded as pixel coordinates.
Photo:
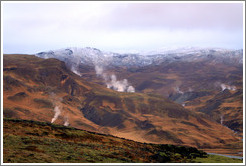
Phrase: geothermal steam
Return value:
(58, 109)
(66, 121)
(177, 90)
(75, 70)
(112, 82)
(224, 86)
(221, 119)
(120, 86)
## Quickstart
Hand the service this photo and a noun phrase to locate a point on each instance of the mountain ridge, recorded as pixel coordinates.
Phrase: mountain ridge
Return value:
(95, 56)
(192, 71)
(29, 83)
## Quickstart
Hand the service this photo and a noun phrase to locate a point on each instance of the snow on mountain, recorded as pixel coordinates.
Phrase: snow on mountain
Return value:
(183, 50)
(92, 56)
(86, 55)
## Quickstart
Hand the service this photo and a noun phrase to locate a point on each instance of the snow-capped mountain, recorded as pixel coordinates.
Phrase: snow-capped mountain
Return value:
(86, 55)
(93, 56)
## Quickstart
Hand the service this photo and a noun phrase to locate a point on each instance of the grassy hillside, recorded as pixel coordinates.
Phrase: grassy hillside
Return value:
(38, 142)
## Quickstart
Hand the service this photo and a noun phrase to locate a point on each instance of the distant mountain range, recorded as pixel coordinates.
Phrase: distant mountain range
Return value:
(93, 56)
(183, 74)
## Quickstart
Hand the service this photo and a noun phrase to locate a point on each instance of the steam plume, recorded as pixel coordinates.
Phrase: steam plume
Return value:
(119, 85)
(224, 86)
(66, 121)
(99, 70)
(178, 90)
(57, 111)
(130, 89)
(75, 70)
(221, 119)
(112, 82)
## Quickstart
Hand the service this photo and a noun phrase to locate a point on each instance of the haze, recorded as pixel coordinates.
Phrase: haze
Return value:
(32, 27)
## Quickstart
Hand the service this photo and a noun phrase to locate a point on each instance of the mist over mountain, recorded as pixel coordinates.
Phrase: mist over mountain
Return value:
(93, 56)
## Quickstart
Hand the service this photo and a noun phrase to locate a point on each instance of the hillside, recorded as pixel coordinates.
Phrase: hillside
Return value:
(39, 142)
(191, 78)
(45, 90)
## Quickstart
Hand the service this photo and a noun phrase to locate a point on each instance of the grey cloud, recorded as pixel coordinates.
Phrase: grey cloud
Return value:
(179, 15)
(28, 27)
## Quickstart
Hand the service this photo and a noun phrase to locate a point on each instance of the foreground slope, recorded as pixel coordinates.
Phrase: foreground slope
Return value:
(45, 90)
(39, 142)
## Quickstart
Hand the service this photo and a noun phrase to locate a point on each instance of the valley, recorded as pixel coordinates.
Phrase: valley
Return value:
(203, 80)
(187, 101)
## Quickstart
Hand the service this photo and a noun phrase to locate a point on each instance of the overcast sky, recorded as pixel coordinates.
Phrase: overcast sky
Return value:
(120, 27)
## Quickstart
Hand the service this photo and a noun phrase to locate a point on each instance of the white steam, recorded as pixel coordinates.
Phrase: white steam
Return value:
(57, 111)
(224, 86)
(99, 70)
(75, 70)
(66, 121)
(177, 90)
(130, 89)
(221, 119)
(112, 82)
(119, 85)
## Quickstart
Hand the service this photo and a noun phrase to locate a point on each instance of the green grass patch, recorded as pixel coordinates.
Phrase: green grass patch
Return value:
(217, 159)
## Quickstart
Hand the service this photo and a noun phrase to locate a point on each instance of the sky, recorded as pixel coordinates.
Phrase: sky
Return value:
(32, 27)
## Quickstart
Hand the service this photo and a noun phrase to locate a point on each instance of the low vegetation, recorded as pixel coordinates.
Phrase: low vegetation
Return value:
(27, 141)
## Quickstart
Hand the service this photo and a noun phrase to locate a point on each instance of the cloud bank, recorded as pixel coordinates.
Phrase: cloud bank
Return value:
(33, 27)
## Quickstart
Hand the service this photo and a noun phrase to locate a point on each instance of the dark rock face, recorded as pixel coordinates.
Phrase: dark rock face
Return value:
(202, 122)
(234, 125)
(103, 117)
(177, 113)
(49, 76)
(9, 113)
(165, 134)
(18, 96)
(9, 68)
(223, 94)
(145, 125)
(73, 88)
(211, 107)
(148, 84)
(43, 103)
